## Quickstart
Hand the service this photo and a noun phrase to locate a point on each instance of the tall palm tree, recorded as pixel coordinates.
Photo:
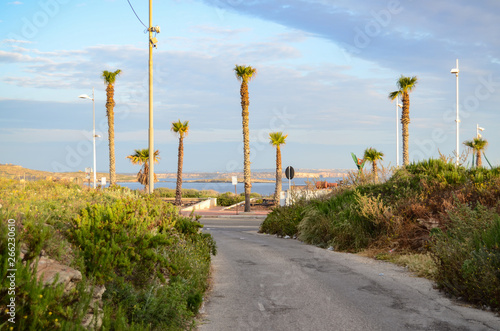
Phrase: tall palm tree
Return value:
(478, 145)
(244, 74)
(182, 129)
(277, 139)
(372, 155)
(141, 157)
(109, 80)
(405, 86)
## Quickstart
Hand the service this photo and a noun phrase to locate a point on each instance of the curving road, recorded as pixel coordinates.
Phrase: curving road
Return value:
(262, 282)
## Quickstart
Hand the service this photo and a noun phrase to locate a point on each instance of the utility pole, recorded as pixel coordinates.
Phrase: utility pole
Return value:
(94, 135)
(151, 132)
(456, 71)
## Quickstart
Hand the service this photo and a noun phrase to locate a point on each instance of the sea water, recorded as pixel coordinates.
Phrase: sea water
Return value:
(264, 189)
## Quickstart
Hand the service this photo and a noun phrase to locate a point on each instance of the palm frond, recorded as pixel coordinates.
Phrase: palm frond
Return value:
(277, 138)
(371, 154)
(181, 128)
(141, 156)
(407, 84)
(477, 144)
(244, 73)
(394, 95)
(109, 77)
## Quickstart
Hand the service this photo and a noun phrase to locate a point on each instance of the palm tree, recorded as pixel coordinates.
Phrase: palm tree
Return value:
(244, 74)
(141, 157)
(372, 155)
(277, 139)
(405, 86)
(109, 80)
(182, 129)
(478, 145)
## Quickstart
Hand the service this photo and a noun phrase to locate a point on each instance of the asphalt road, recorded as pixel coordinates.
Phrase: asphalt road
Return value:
(262, 282)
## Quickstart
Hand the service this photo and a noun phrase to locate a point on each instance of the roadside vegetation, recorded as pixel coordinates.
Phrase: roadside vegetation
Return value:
(223, 199)
(152, 263)
(439, 220)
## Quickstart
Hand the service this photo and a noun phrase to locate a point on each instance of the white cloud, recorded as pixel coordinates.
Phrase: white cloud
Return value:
(27, 135)
(15, 41)
(12, 57)
(15, 3)
(212, 29)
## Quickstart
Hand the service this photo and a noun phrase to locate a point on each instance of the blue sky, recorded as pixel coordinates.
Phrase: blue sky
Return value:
(325, 69)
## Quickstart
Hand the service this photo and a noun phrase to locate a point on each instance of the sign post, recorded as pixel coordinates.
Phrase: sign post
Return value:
(87, 174)
(235, 182)
(289, 173)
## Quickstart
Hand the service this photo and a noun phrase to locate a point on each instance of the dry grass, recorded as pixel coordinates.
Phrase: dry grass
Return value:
(421, 264)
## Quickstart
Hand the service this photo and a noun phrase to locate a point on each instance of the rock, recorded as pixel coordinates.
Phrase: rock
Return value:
(430, 223)
(89, 319)
(48, 270)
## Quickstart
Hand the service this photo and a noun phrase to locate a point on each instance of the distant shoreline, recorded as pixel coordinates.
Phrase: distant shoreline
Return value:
(225, 180)
(18, 172)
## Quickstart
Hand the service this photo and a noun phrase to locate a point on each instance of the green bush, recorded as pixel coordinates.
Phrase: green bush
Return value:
(467, 254)
(122, 239)
(129, 246)
(164, 192)
(347, 221)
(38, 307)
(283, 220)
(154, 307)
(229, 199)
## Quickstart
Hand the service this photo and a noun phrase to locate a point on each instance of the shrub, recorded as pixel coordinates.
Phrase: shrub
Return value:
(467, 254)
(122, 239)
(347, 221)
(284, 220)
(164, 192)
(38, 307)
(229, 199)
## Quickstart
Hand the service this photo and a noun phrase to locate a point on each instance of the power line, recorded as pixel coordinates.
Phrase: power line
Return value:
(136, 14)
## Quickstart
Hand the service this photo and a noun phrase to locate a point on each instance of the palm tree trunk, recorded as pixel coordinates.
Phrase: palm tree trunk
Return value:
(375, 171)
(146, 177)
(405, 121)
(279, 176)
(479, 162)
(110, 105)
(246, 143)
(180, 158)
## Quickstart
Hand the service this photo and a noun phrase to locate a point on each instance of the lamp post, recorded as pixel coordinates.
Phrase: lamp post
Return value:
(478, 128)
(84, 96)
(456, 71)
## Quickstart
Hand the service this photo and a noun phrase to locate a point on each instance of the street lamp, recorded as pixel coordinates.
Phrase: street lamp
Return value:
(84, 96)
(478, 128)
(456, 71)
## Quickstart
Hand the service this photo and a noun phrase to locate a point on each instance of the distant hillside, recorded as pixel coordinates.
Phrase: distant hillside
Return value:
(18, 172)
